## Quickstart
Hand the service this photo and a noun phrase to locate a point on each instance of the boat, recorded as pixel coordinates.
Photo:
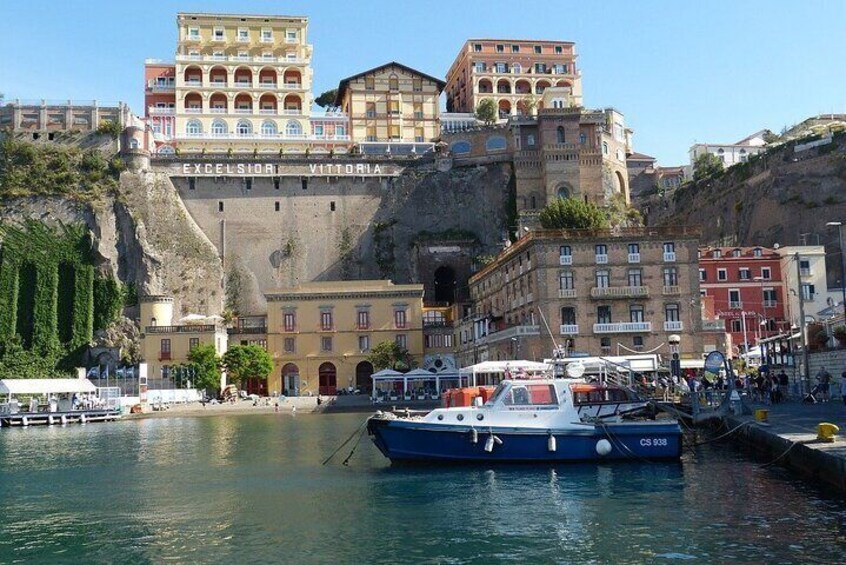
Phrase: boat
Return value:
(532, 420)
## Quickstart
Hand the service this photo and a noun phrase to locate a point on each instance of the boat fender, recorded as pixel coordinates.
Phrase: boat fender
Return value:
(489, 443)
(25, 421)
(82, 418)
(474, 436)
(50, 420)
(64, 420)
(551, 443)
(603, 447)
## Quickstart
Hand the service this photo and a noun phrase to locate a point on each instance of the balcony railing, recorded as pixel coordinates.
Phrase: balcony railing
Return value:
(670, 290)
(184, 329)
(713, 325)
(569, 329)
(673, 326)
(622, 327)
(566, 293)
(601, 259)
(735, 304)
(244, 59)
(193, 82)
(154, 111)
(267, 85)
(669, 256)
(619, 292)
(805, 272)
(247, 330)
(164, 356)
(770, 303)
(565, 260)
(634, 257)
(268, 136)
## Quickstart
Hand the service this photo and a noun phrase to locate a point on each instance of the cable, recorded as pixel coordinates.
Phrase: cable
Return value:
(346, 441)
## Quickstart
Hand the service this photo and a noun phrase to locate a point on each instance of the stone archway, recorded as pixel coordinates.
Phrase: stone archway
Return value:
(564, 190)
(328, 379)
(444, 279)
(363, 382)
(620, 184)
(290, 380)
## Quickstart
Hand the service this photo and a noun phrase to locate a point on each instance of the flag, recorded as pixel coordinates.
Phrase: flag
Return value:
(120, 372)
(93, 372)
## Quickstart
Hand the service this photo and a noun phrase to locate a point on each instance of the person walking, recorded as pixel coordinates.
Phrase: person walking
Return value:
(824, 379)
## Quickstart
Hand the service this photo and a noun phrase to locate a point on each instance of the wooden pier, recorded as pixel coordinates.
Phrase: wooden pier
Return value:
(25, 419)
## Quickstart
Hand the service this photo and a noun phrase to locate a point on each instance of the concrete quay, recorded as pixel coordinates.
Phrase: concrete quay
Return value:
(789, 438)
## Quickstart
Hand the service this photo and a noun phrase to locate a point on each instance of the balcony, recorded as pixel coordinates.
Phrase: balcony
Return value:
(266, 39)
(569, 329)
(154, 111)
(669, 256)
(770, 303)
(566, 293)
(243, 84)
(622, 327)
(565, 260)
(671, 290)
(267, 85)
(619, 292)
(713, 325)
(164, 356)
(267, 111)
(247, 330)
(193, 82)
(184, 329)
(673, 326)
(634, 257)
(292, 111)
(735, 304)
(601, 259)
(194, 110)
(805, 272)
(217, 110)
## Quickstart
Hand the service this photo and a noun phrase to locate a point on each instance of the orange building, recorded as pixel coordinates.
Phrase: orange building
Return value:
(160, 101)
(514, 73)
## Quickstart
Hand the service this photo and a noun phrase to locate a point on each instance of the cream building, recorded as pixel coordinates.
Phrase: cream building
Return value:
(164, 345)
(243, 83)
(391, 103)
(809, 278)
(321, 333)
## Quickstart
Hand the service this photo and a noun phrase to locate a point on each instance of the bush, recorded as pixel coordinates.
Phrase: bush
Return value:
(572, 214)
(110, 128)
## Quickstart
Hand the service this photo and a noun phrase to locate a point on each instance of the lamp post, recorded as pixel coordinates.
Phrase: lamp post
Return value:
(842, 263)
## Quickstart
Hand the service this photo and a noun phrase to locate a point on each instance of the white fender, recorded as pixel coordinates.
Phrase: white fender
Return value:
(603, 447)
(551, 443)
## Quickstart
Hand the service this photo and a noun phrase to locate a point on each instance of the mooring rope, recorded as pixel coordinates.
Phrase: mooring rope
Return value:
(346, 441)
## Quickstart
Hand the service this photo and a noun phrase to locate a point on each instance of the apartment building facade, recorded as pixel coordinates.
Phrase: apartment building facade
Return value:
(747, 290)
(805, 281)
(513, 73)
(593, 292)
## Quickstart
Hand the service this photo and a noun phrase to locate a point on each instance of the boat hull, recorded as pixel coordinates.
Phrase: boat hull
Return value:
(415, 441)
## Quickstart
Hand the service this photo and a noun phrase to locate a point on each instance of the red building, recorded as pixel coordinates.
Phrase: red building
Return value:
(747, 290)
(160, 103)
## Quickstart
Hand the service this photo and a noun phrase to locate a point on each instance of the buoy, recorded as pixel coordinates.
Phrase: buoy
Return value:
(25, 421)
(603, 447)
(551, 443)
(474, 436)
(64, 420)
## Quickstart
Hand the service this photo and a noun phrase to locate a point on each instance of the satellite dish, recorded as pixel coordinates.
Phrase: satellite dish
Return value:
(575, 370)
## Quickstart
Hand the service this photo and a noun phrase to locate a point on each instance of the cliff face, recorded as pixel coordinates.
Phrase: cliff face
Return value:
(777, 198)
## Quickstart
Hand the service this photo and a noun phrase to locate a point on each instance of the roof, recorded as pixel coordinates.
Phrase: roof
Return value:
(640, 157)
(342, 86)
(45, 386)
(726, 252)
(521, 40)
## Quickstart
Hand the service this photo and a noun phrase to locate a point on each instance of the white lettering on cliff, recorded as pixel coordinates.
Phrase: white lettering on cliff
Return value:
(269, 169)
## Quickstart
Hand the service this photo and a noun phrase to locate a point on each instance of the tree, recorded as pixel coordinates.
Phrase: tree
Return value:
(205, 359)
(111, 128)
(706, 165)
(389, 355)
(572, 214)
(244, 362)
(486, 111)
(327, 99)
(530, 104)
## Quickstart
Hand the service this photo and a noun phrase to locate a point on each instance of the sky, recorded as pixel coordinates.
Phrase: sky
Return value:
(681, 72)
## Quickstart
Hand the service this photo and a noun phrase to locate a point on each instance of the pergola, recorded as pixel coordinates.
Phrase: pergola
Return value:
(391, 377)
(491, 373)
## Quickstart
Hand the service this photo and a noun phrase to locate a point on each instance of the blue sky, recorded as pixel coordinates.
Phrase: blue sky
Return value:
(681, 72)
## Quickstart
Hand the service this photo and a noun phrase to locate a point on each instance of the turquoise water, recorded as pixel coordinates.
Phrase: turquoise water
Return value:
(251, 489)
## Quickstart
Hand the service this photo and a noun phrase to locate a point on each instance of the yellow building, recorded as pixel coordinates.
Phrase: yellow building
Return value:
(164, 345)
(243, 83)
(320, 333)
(391, 103)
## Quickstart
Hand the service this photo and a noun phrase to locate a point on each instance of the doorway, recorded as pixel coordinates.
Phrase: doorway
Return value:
(328, 381)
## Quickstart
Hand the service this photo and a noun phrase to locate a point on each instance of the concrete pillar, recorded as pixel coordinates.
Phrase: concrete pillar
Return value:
(42, 115)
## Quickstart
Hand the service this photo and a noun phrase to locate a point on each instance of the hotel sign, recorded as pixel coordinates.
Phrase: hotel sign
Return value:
(255, 169)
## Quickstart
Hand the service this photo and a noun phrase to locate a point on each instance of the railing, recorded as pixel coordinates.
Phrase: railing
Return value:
(243, 59)
(669, 256)
(735, 304)
(619, 292)
(634, 257)
(601, 259)
(217, 110)
(193, 110)
(804, 272)
(276, 136)
(267, 85)
(184, 329)
(164, 356)
(565, 259)
(566, 293)
(713, 325)
(193, 82)
(671, 290)
(569, 329)
(247, 330)
(770, 303)
(292, 85)
(673, 326)
(154, 111)
(622, 327)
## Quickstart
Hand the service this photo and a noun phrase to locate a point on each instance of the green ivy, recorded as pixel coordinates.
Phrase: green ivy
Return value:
(108, 301)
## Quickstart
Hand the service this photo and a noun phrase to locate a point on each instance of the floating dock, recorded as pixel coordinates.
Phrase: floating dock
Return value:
(25, 419)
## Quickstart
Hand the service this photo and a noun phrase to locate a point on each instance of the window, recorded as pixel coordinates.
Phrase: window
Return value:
(318, 129)
(243, 35)
(419, 135)
(734, 298)
(289, 321)
(290, 345)
(770, 298)
(703, 276)
(582, 138)
(291, 36)
(418, 110)
(605, 344)
(220, 205)
(218, 34)
(744, 274)
(635, 277)
(636, 313)
(393, 107)
(721, 275)
(394, 132)
(165, 346)
(602, 279)
(193, 33)
(736, 253)
(363, 319)
(326, 320)
(371, 133)
(293, 128)
(634, 249)
(671, 313)
(194, 127)
(560, 134)
(716, 254)
(736, 325)
(765, 273)
(669, 247)
(637, 342)
(605, 148)
(559, 49)
(276, 206)
(603, 314)
(370, 110)
(364, 343)
(538, 49)
(568, 316)
(565, 280)
(267, 36)
(530, 140)
(268, 128)
(500, 48)
(757, 252)
(601, 249)
(369, 83)
(326, 343)
(540, 68)
(501, 67)
(808, 291)
(218, 127)
(804, 267)
(402, 341)
(399, 319)
(393, 83)
(244, 127)
(671, 276)
(481, 67)
(417, 84)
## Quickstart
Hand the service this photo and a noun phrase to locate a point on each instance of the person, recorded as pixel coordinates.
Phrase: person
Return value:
(843, 386)
(824, 379)
(783, 385)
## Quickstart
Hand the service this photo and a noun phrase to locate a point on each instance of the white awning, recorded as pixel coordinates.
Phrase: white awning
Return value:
(502, 366)
(45, 386)
(692, 363)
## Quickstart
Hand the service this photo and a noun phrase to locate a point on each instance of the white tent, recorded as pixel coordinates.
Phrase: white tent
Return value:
(492, 372)
(45, 386)
(390, 376)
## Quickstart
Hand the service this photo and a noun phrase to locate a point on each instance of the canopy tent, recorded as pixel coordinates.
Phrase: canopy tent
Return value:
(493, 372)
(392, 378)
(385, 374)
(45, 386)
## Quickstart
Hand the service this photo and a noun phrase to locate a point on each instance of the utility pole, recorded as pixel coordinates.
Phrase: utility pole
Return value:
(806, 375)
(842, 264)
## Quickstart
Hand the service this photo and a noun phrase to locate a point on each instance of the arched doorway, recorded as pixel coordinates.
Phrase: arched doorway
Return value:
(290, 380)
(620, 182)
(564, 190)
(256, 386)
(445, 284)
(363, 382)
(328, 383)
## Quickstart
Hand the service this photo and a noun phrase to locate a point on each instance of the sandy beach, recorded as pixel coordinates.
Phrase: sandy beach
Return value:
(299, 405)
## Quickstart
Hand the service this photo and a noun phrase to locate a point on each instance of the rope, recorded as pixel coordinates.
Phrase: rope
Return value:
(621, 444)
(346, 441)
(786, 451)
(346, 461)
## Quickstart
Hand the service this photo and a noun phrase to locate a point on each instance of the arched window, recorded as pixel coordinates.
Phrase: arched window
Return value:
(194, 127)
(293, 128)
(393, 83)
(244, 127)
(496, 143)
(560, 134)
(268, 127)
(582, 138)
(166, 150)
(460, 147)
(516, 68)
(218, 127)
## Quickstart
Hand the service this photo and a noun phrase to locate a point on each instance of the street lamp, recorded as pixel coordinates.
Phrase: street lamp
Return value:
(842, 263)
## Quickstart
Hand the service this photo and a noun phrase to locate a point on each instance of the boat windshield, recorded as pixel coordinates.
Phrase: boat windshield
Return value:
(530, 395)
(497, 393)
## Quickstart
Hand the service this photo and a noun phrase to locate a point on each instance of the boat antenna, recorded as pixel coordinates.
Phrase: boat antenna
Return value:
(549, 331)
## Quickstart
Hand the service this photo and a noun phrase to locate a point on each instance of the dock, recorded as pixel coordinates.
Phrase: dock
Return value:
(25, 419)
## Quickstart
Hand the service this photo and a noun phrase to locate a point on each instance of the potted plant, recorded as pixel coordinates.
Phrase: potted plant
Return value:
(840, 333)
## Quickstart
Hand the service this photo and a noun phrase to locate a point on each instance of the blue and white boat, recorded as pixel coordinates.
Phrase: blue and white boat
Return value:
(534, 420)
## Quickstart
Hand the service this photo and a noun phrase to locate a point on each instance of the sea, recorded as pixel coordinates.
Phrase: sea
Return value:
(254, 489)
